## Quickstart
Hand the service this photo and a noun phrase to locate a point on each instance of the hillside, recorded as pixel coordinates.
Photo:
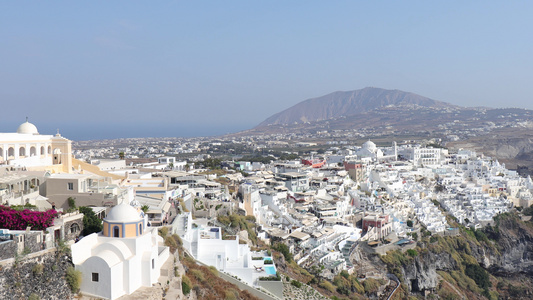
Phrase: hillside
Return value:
(344, 104)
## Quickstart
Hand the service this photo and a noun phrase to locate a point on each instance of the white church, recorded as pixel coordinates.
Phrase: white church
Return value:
(27, 148)
(121, 258)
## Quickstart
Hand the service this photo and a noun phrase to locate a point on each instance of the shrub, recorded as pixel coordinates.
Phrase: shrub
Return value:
(327, 285)
(34, 297)
(185, 285)
(268, 262)
(198, 275)
(37, 269)
(371, 285)
(163, 232)
(213, 270)
(73, 278)
(412, 252)
(480, 276)
(345, 274)
(284, 249)
(91, 222)
(19, 220)
(171, 244)
(71, 202)
(230, 295)
(296, 283)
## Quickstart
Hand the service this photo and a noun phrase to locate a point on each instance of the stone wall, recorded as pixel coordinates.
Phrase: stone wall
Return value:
(41, 273)
(33, 241)
(8, 249)
(72, 235)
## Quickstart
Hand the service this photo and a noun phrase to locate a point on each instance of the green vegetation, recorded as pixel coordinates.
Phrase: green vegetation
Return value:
(185, 285)
(198, 274)
(412, 252)
(91, 223)
(240, 223)
(210, 163)
(23, 207)
(480, 276)
(528, 211)
(296, 283)
(37, 269)
(71, 202)
(371, 285)
(73, 278)
(327, 285)
(283, 249)
(34, 297)
(145, 208)
(163, 232)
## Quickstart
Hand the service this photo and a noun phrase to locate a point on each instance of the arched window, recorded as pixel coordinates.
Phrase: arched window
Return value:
(11, 151)
(22, 151)
(33, 151)
(42, 150)
(49, 149)
(140, 229)
(115, 231)
(74, 228)
(1, 152)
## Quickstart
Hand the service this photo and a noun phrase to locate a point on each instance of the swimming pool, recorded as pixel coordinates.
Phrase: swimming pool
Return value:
(270, 270)
(267, 258)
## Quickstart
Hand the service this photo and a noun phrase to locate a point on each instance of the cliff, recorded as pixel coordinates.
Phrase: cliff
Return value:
(490, 263)
(36, 276)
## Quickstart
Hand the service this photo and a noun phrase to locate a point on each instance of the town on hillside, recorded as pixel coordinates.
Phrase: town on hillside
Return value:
(277, 217)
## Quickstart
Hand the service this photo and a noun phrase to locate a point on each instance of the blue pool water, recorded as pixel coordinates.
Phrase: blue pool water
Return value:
(270, 270)
(267, 258)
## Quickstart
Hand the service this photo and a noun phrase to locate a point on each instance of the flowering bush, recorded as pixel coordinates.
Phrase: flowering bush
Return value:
(20, 219)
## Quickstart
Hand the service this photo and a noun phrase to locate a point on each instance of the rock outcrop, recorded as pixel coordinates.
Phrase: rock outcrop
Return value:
(42, 276)
(508, 251)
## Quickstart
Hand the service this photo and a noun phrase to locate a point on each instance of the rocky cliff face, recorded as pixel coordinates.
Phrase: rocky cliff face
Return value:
(508, 252)
(41, 276)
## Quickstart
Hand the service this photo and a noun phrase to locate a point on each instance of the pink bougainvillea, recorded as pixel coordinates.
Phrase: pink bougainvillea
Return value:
(19, 220)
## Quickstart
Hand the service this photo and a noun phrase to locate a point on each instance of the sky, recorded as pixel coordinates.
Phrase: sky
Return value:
(111, 69)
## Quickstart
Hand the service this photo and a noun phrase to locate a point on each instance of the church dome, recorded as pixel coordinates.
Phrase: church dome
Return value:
(27, 128)
(369, 145)
(123, 213)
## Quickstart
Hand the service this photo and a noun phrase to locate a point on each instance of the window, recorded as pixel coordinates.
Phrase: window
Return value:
(140, 229)
(74, 228)
(153, 263)
(70, 186)
(95, 277)
(115, 231)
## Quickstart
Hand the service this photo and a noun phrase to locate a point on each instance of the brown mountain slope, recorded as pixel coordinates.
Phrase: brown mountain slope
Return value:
(343, 104)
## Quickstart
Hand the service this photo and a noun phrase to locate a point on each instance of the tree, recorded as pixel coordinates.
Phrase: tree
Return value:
(145, 208)
(121, 155)
(91, 223)
(409, 223)
(71, 202)
(284, 249)
(480, 276)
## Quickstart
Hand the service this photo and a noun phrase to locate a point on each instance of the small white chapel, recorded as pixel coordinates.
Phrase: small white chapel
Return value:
(121, 258)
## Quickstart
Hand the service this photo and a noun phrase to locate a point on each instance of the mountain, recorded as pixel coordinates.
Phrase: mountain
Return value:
(345, 104)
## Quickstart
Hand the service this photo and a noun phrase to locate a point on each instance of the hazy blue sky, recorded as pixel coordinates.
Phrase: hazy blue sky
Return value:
(173, 68)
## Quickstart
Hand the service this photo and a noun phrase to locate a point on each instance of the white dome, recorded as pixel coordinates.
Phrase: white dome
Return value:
(370, 146)
(123, 213)
(27, 128)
